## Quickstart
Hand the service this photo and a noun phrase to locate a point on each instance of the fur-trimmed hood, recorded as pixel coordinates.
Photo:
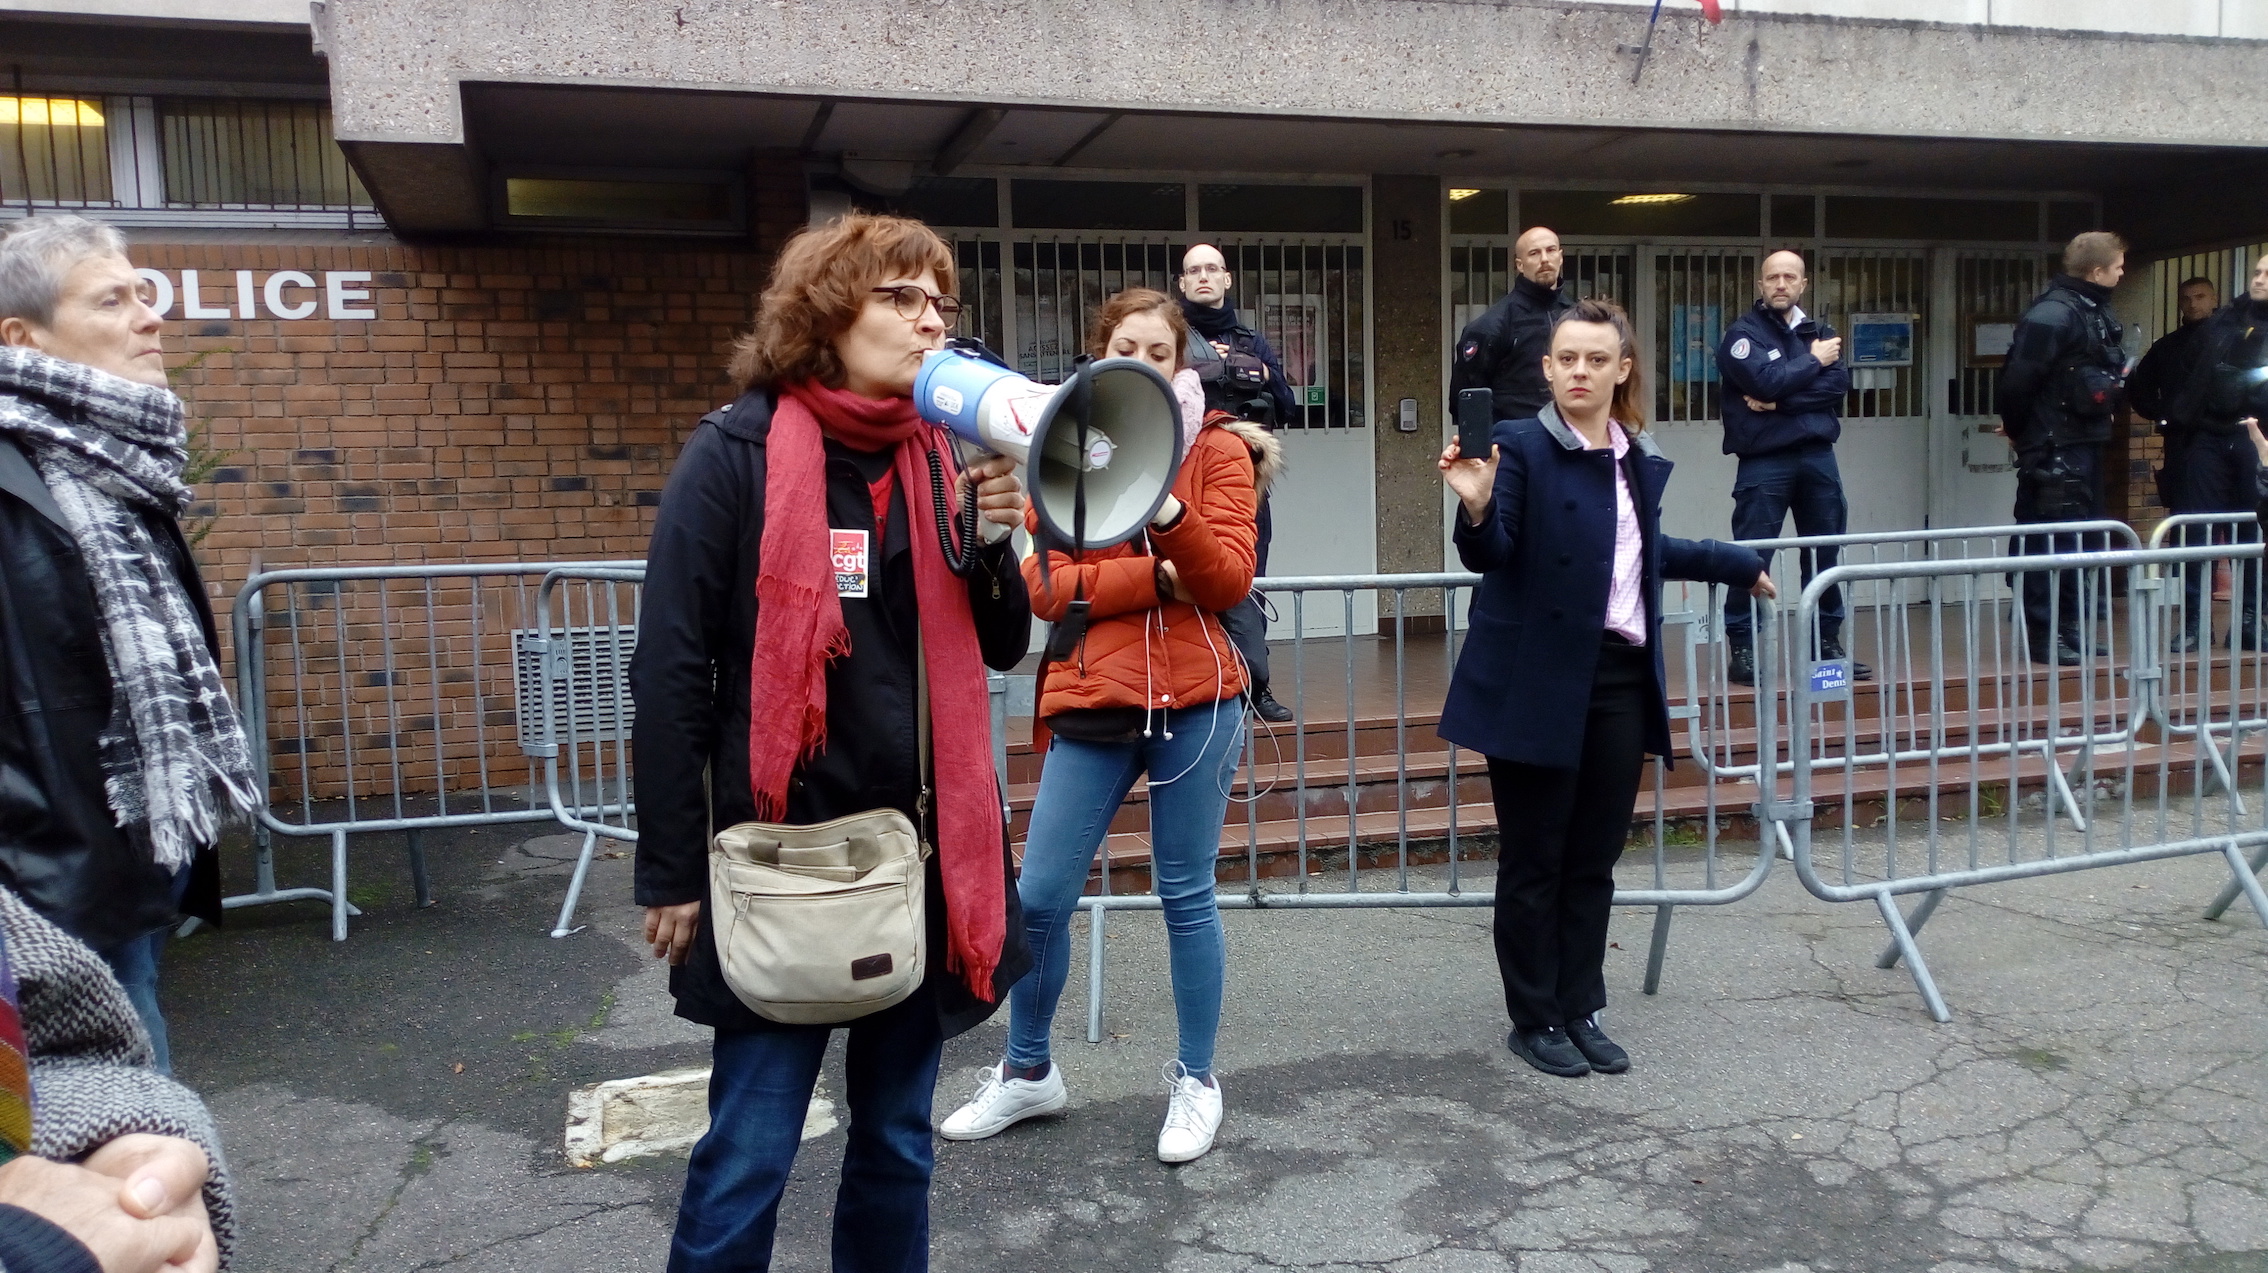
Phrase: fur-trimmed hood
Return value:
(1267, 451)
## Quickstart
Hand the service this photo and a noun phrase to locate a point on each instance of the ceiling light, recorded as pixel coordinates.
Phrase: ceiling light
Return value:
(1630, 200)
(1459, 196)
(58, 112)
(1452, 154)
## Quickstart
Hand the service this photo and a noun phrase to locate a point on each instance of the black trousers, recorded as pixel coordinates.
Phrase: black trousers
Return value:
(1246, 624)
(2216, 473)
(1560, 832)
(2054, 600)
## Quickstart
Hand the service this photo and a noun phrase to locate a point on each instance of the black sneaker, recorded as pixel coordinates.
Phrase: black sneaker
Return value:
(2066, 652)
(1605, 1055)
(1740, 668)
(1265, 706)
(1831, 648)
(1549, 1050)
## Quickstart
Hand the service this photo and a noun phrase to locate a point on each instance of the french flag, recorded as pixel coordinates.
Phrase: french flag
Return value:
(1712, 10)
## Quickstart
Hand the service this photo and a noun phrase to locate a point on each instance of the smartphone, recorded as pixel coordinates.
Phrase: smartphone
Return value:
(1476, 423)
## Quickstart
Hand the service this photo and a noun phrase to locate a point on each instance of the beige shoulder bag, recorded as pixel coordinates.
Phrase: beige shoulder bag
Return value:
(822, 924)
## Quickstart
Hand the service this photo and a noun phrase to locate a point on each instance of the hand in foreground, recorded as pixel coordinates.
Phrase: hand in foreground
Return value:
(1175, 588)
(163, 1176)
(1473, 481)
(87, 1205)
(999, 497)
(1764, 587)
(669, 930)
(1758, 404)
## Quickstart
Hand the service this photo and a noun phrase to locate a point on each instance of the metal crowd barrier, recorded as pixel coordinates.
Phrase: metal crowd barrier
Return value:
(1338, 838)
(385, 699)
(1964, 722)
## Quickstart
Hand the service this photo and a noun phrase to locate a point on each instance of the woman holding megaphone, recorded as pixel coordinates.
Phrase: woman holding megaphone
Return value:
(797, 604)
(1560, 683)
(1153, 687)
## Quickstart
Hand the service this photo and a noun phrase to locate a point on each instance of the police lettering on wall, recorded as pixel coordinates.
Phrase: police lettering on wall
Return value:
(287, 294)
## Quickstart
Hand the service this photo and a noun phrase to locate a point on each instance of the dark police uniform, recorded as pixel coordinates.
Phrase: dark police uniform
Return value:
(1787, 455)
(2154, 388)
(2227, 382)
(2060, 388)
(1503, 350)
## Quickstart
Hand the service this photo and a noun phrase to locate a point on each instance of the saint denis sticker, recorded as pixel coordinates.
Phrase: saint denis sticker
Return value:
(849, 549)
(1741, 347)
(1831, 678)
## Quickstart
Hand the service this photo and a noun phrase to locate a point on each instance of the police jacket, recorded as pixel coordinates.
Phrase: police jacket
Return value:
(689, 683)
(61, 848)
(1545, 553)
(2229, 377)
(1503, 350)
(1228, 383)
(1761, 357)
(2060, 384)
(2157, 385)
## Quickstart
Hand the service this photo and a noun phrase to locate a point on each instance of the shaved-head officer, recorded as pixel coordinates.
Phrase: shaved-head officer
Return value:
(1784, 382)
(1503, 350)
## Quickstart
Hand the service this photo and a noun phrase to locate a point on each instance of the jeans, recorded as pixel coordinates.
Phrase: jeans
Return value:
(1191, 759)
(1802, 480)
(135, 963)
(759, 1089)
(1560, 834)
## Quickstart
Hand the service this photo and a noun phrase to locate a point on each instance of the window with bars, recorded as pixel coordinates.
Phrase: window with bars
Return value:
(1991, 292)
(228, 153)
(1480, 273)
(1698, 291)
(1880, 286)
(54, 151)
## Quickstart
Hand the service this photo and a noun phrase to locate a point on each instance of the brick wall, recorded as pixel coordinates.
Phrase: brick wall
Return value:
(504, 405)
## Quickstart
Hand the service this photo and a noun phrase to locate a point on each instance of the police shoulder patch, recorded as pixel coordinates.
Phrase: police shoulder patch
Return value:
(1470, 349)
(1741, 348)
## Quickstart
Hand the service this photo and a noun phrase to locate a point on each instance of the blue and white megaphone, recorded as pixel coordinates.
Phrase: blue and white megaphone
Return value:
(1131, 446)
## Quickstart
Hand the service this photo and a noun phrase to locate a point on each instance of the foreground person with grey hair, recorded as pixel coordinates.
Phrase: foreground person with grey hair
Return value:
(117, 741)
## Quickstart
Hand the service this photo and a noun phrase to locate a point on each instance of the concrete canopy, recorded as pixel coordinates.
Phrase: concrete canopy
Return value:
(1517, 88)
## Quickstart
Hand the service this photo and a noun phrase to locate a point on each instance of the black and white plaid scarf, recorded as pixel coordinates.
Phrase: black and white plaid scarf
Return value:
(107, 447)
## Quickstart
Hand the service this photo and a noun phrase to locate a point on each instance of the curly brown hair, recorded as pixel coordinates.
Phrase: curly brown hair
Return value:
(1139, 300)
(819, 285)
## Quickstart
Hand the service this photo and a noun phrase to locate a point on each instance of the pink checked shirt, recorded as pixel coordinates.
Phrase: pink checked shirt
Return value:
(1626, 594)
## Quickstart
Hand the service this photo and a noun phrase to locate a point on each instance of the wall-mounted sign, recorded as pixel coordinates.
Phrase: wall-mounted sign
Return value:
(1882, 340)
(343, 295)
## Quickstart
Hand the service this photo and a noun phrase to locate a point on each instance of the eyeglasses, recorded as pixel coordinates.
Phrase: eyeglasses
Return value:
(1202, 271)
(911, 299)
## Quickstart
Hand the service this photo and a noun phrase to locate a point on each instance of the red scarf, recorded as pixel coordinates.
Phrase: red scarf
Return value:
(799, 629)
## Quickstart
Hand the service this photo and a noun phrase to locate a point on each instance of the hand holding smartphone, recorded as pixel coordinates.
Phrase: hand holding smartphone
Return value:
(1476, 423)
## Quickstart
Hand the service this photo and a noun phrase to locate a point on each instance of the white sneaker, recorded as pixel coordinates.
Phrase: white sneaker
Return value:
(1192, 1117)
(1002, 1103)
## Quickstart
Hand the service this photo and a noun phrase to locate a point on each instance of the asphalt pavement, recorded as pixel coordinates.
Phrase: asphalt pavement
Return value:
(2100, 1101)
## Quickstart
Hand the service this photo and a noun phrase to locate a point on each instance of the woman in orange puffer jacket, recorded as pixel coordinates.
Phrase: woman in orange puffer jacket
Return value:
(1153, 688)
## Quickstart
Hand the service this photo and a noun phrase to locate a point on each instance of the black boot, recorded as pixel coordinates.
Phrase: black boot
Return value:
(1831, 648)
(1740, 667)
(2064, 653)
(1265, 706)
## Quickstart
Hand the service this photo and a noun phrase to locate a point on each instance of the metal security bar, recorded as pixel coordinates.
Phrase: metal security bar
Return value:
(1988, 762)
(581, 728)
(1363, 790)
(389, 699)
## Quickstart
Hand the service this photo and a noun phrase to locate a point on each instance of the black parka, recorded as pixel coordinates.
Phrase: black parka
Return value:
(689, 681)
(61, 848)
(1503, 350)
(2067, 350)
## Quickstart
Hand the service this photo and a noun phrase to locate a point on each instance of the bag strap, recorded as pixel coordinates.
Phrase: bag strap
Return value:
(921, 727)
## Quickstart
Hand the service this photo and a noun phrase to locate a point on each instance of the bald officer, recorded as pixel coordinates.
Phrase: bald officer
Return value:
(1502, 351)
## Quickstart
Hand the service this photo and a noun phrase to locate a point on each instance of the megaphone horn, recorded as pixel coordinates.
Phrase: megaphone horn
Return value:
(1125, 462)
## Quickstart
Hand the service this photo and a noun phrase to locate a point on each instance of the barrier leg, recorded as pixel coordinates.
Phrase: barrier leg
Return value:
(1659, 947)
(575, 887)
(417, 869)
(2235, 886)
(2248, 879)
(1914, 922)
(1912, 954)
(1095, 917)
(339, 907)
(2059, 792)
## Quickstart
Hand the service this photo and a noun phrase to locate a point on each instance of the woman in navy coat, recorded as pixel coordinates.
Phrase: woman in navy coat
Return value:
(1560, 683)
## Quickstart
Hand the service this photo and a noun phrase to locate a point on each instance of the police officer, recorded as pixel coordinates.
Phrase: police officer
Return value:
(1503, 350)
(1243, 377)
(2059, 389)
(1785, 381)
(2228, 384)
(2203, 472)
